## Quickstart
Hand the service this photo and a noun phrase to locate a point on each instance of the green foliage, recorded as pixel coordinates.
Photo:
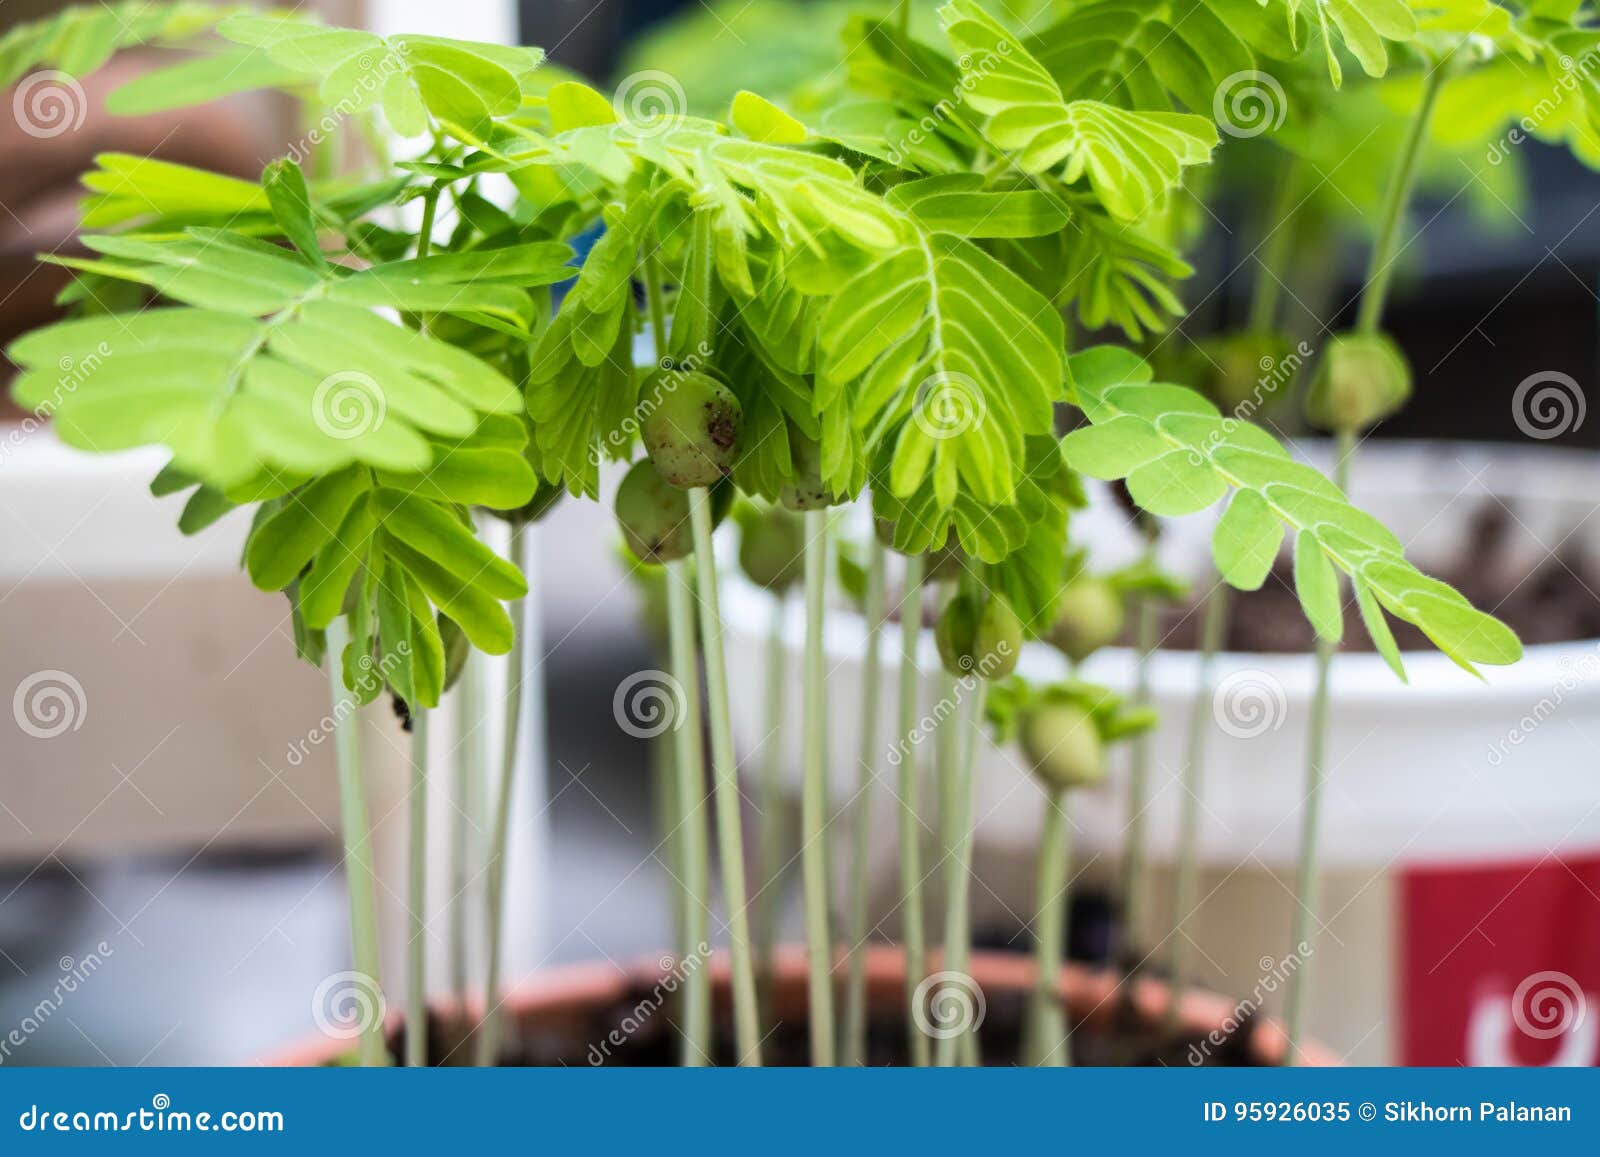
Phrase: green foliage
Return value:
(80, 39)
(876, 270)
(277, 364)
(388, 553)
(419, 81)
(1132, 159)
(1361, 25)
(1179, 455)
(1144, 55)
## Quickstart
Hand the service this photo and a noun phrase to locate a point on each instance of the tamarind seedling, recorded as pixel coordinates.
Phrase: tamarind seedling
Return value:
(1062, 741)
(986, 640)
(997, 643)
(1363, 379)
(1240, 368)
(654, 515)
(1089, 615)
(693, 433)
(806, 491)
(772, 548)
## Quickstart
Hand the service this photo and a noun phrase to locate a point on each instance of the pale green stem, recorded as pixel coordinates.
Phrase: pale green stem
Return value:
(669, 830)
(1048, 1023)
(690, 760)
(1135, 881)
(725, 786)
(909, 790)
(359, 877)
(1307, 876)
(1214, 620)
(1368, 319)
(489, 1027)
(1404, 178)
(470, 752)
(769, 848)
(417, 896)
(416, 980)
(855, 1015)
(1267, 290)
(958, 881)
(814, 797)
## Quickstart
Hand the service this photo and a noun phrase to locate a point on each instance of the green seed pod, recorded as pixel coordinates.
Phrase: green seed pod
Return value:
(1089, 615)
(956, 632)
(1062, 743)
(983, 640)
(654, 515)
(693, 432)
(772, 549)
(1363, 379)
(997, 643)
(1244, 370)
(807, 491)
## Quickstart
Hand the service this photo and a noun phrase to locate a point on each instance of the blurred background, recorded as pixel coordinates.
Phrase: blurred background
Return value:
(168, 810)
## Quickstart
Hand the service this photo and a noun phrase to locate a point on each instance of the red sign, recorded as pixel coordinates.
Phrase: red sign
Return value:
(1500, 964)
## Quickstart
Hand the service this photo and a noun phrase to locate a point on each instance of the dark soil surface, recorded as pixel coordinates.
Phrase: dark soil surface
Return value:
(596, 1037)
(1557, 602)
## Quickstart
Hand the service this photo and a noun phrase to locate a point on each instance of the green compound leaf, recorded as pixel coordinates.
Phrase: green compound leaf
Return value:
(81, 39)
(1317, 585)
(1243, 457)
(394, 554)
(273, 367)
(1246, 541)
(464, 86)
(965, 205)
(953, 357)
(1361, 25)
(1132, 159)
(1154, 54)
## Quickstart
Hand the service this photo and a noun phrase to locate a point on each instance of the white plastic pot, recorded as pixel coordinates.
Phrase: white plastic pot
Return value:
(1444, 768)
(150, 697)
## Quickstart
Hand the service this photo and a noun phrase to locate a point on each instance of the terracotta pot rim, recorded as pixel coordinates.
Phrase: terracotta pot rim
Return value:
(1091, 994)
